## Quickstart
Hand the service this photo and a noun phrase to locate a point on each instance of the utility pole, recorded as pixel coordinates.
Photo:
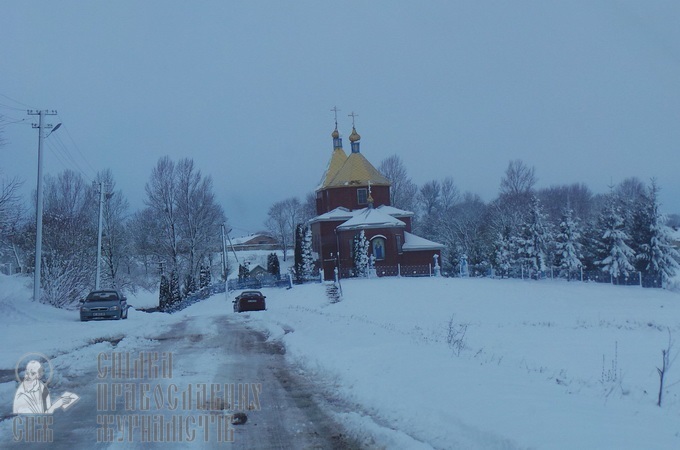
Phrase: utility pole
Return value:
(224, 255)
(39, 202)
(99, 235)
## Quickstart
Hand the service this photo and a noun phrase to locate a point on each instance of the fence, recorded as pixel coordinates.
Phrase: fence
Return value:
(400, 270)
(596, 276)
(267, 281)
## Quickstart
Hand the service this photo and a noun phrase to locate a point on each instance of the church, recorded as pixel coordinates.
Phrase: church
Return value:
(354, 196)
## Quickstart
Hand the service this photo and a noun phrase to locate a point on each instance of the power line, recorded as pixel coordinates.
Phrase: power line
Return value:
(12, 107)
(68, 133)
(17, 101)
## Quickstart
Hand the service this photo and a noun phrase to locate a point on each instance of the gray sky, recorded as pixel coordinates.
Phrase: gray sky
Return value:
(584, 91)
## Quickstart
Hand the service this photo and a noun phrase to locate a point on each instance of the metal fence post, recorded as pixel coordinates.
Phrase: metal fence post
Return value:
(399, 270)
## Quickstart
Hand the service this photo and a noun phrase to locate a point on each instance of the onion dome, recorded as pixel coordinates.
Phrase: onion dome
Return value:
(354, 137)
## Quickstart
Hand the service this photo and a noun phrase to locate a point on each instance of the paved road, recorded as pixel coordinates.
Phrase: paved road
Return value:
(248, 375)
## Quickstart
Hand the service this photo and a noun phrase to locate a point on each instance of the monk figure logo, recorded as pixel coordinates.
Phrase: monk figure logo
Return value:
(32, 395)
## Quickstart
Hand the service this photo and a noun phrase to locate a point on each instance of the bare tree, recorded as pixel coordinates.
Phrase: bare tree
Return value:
(519, 179)
(69, 239)
(309, 207)
(282, 220)
(199, 216)
(116, 247)
(430, 196)
(403, 191)
(449, 194)
(11, 215)
(161, 192)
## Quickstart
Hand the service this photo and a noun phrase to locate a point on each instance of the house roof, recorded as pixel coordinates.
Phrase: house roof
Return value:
(355, 170)
(370, 218)
(251, 239)
(413, 243)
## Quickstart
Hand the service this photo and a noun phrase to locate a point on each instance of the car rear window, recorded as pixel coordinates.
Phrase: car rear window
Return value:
(96, 296)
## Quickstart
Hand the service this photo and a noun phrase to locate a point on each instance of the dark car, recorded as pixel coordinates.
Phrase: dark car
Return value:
(103, 304)
(250, 301)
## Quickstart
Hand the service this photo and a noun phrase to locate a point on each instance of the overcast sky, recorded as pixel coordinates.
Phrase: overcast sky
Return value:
(585, 91)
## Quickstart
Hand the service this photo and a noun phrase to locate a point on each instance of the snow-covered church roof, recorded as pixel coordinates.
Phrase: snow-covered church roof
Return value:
(413, 243)
(370, 218)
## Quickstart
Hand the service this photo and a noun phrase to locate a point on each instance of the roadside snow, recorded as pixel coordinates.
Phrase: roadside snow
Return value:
(544, 364)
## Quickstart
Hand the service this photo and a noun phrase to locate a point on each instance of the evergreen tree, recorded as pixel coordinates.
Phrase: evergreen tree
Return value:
(535, 235)
(613, 251)
(164, 293)
(502, 254)
(189, 285)
(243, 273)
(307, 258)
(204, 277)
(273, 266)
(568, 244)
(361, 254)
(299, 264)
(655, 256)
(175, 295)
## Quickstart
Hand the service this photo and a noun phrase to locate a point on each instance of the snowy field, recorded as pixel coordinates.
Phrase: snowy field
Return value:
(435, 363)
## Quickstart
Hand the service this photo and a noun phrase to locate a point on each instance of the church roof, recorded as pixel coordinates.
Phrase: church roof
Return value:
(370, 218)
(395, 212)
(339, 213)
(356, 170)
(336, 162)
(413, 243)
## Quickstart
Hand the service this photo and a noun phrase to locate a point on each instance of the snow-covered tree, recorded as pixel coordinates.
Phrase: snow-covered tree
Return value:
(502, 258)
(69, 250)
(273, 265)
(189, 285)
(204, 277)
(568, 244)
(655, 256)
(175, 294)
(307, 258)
(361, 261)
(298, 267)
(535, 235)
(164, 293)
(615, 255)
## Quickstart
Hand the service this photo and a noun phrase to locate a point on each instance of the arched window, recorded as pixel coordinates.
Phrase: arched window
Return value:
(378, 244)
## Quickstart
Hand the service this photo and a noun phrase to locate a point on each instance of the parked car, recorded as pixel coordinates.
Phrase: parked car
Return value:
(250, 301)
(104, 304)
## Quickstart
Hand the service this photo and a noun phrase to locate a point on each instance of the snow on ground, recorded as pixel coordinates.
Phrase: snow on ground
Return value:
(546, 365)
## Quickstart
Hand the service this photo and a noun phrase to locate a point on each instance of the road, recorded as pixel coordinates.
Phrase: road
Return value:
(186, 391)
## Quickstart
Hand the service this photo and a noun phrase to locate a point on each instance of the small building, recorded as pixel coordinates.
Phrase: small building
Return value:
(354, 196)
(258, 241)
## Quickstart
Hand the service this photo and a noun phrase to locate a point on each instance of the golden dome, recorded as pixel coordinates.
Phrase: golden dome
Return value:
(354, 136)
(335, 134)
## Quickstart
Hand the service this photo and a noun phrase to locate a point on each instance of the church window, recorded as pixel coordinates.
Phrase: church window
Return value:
(362, 196)
(399, 248)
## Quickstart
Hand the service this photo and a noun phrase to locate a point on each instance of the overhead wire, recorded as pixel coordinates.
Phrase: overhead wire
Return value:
(17, 101)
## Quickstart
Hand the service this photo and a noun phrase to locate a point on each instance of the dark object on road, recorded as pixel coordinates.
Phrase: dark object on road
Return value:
(105, 304)
(239, 418)
(249, 301)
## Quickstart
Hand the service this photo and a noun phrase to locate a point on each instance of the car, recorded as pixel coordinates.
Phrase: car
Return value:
(104, 304)
(250, 301)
